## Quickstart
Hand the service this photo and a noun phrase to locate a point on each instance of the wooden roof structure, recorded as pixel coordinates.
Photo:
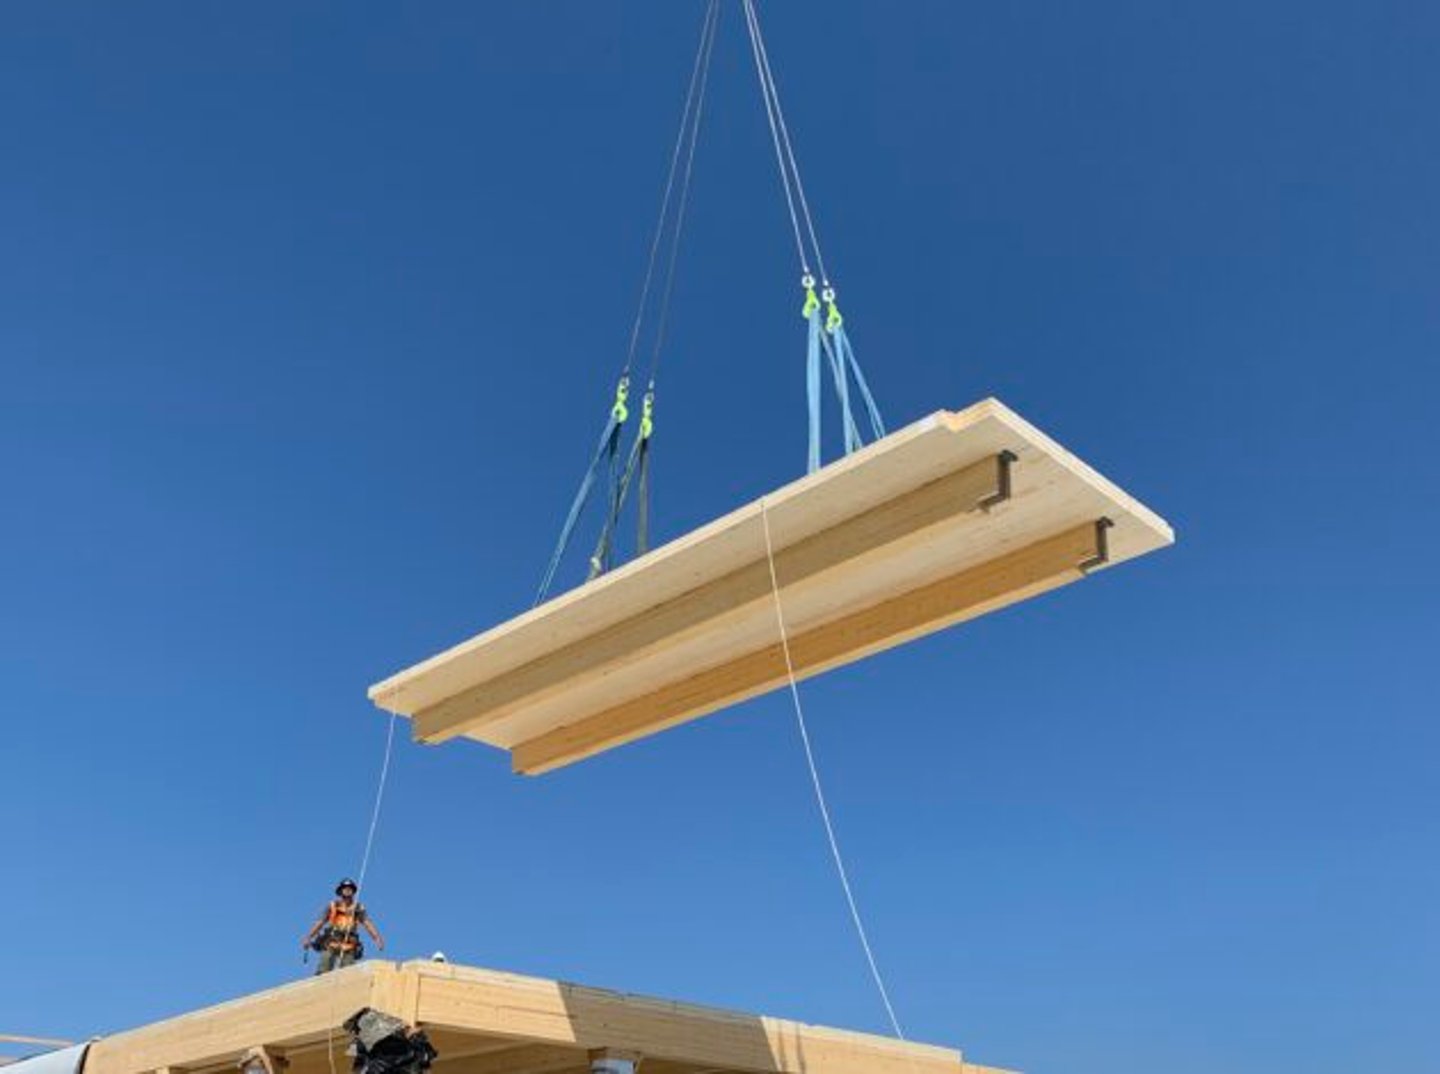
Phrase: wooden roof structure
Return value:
(484, 1022)
(953, 517)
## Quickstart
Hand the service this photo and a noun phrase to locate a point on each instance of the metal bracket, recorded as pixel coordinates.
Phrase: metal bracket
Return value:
(1102, 547)
(1003, 462)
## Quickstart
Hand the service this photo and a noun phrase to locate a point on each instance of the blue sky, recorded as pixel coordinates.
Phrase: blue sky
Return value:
(308, 319)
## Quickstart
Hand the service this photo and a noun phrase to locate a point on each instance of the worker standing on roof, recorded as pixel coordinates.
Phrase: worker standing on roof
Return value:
(334, 935)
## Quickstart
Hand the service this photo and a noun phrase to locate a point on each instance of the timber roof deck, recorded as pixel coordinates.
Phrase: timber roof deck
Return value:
(484, 1022)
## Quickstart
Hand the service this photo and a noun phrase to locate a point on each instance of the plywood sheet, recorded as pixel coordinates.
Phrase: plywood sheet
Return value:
(947, 519)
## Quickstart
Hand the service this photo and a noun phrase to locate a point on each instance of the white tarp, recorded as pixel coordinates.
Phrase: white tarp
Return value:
(62, 1061)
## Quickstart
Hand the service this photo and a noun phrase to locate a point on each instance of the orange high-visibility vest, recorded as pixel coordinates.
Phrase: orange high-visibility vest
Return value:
(341, 924)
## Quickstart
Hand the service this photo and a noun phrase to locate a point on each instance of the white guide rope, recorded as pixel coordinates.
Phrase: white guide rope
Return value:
(815, 782)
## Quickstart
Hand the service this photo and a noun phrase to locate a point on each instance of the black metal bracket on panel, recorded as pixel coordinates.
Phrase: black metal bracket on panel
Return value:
(1003, 462)
(1102, 547)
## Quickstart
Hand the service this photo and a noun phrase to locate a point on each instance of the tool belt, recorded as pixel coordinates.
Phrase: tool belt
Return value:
(336, 940)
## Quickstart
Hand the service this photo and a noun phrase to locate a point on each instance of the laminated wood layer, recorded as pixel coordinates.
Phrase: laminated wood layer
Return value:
(952, 517)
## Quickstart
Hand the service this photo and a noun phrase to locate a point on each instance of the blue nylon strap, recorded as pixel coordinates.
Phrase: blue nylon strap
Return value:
(642, 509)
(843, 364)
(812, 387)
(847, 353)
(609, 441)
(600, 559)
(849, 429)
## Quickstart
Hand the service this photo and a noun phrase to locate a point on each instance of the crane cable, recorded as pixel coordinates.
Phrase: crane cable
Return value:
(828, 337)
(784, 148)
(638, 463)
(688, 132)
(607, 450)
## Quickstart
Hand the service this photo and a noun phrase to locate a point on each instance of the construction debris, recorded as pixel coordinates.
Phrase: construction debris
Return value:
(383, 1044)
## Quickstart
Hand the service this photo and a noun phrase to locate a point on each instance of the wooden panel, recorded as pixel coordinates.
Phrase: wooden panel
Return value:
(1014, 577)
(893, 519)
(545, 1027)
(456, 1045)
(396, 993)
(303, 1012)
(709, 552)
(519, 1059)
(457, 997)
(891, 529)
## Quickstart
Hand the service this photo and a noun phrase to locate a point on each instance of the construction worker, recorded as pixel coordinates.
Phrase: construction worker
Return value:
(334, 935)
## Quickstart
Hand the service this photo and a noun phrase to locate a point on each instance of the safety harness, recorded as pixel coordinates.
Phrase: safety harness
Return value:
(342, 925)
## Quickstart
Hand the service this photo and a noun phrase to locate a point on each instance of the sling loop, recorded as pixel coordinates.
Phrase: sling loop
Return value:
(605, 453)
(812, 379)
(636, 463)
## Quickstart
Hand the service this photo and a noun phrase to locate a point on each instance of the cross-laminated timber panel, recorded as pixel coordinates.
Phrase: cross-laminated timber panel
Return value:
(494, 1023)
(955, 516)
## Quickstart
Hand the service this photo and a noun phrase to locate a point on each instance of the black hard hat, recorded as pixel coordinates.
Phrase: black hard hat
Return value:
(346, 883)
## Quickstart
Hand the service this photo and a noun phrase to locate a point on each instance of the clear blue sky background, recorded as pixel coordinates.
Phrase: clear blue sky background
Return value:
(308, 318)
